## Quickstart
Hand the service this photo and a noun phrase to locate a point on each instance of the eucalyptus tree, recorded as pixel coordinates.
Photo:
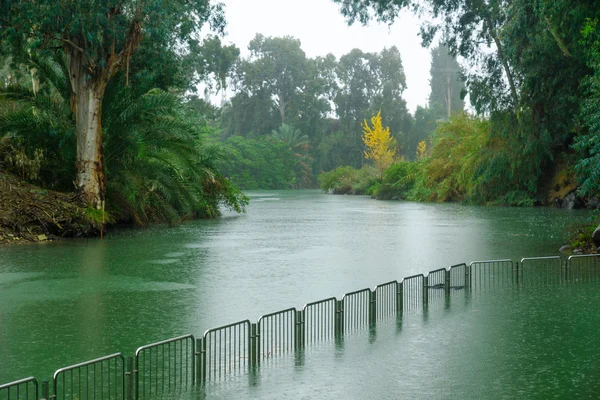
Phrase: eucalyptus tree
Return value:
(446, 83)
(369, 82)
(277, 66)
(99, 39)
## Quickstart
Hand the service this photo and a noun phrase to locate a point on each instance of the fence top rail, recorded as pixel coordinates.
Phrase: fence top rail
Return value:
(414, 276)
(18, 382)
(287, 310)
(491, 261)
(162, 342)
(436, 271)
(582, 256)
(90, 362)
(244, 322)
(540, 258)
(458, 265)
(386, 284)
(315, 303)
(356, 292)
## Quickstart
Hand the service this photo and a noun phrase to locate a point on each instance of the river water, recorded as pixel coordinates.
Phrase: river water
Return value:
(66, 302)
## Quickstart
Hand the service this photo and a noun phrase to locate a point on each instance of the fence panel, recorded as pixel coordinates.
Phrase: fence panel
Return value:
(583, 267)
(227, 350)
(319, 320)
(356, 310)
(491, 273)
(387, 299)
(276, 333)
(541, 270)
(413, 292)
(458, 277)
(164, 366)
(23, 389)
(436, 284)
(101, 378)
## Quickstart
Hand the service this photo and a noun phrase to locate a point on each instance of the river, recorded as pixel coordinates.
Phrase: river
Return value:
(70, 301)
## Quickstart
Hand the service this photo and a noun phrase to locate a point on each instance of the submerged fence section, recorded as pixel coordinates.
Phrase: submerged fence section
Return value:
(179, 363)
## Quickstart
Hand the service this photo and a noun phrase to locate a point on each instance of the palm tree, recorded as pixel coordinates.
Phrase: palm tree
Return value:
(299, 146)
(157, 168)
(35, 117)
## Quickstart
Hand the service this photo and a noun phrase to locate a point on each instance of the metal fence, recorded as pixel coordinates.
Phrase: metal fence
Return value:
(180, 363)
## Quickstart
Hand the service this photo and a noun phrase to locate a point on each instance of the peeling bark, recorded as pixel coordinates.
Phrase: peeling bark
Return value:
(88, 84)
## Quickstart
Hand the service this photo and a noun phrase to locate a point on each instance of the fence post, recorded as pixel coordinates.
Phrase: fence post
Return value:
(517, 265)
(253, 349)
(425, 290)
(45, 391)
(129, 378)
(447, 283)
(200, 362)
(372, 307)
(339, 318)
(299, 331)
(400, 298)
(258, 348)
(467, 276)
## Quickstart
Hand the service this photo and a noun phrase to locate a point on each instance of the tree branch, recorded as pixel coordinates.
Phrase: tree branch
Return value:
(67, 41)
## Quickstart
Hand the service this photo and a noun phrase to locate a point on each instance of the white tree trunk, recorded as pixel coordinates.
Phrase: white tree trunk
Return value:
(86, 102)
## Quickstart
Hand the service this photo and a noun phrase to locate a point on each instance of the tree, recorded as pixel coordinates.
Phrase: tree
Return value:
(369, 82)
(381, 146)
(299, 146)
(277, 66)
(446, 84)
(99, 40)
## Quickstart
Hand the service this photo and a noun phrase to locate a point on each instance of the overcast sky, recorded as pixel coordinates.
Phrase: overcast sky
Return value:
(322, 29)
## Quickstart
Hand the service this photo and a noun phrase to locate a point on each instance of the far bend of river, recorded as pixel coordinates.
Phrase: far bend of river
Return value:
(66, 302)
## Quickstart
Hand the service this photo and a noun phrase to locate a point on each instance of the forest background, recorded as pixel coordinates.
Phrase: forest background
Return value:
(103, 102)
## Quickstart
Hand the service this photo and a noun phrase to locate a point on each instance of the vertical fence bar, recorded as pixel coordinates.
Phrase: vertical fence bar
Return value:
(447, 283)
(425, 291)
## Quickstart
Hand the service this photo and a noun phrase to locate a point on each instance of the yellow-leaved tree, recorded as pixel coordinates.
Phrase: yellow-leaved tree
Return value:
(421, 150)
(381, 146)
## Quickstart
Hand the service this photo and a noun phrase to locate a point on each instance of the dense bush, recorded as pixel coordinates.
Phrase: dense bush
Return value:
(448, 173)
(347, 180)
(398, 180)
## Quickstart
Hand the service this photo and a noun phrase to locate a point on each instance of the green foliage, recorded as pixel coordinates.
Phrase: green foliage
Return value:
(526, 67)
(580, 235)
(398, 180)
(298, 144)
(588, 143)
(259, 163)
(39, 122)
(448, 173)
(347, 180)
(157, 167)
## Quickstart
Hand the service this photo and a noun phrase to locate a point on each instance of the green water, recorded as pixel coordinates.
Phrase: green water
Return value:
(62, 303)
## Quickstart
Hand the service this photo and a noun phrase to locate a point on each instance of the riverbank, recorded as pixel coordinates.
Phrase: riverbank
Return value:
(31, 214)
